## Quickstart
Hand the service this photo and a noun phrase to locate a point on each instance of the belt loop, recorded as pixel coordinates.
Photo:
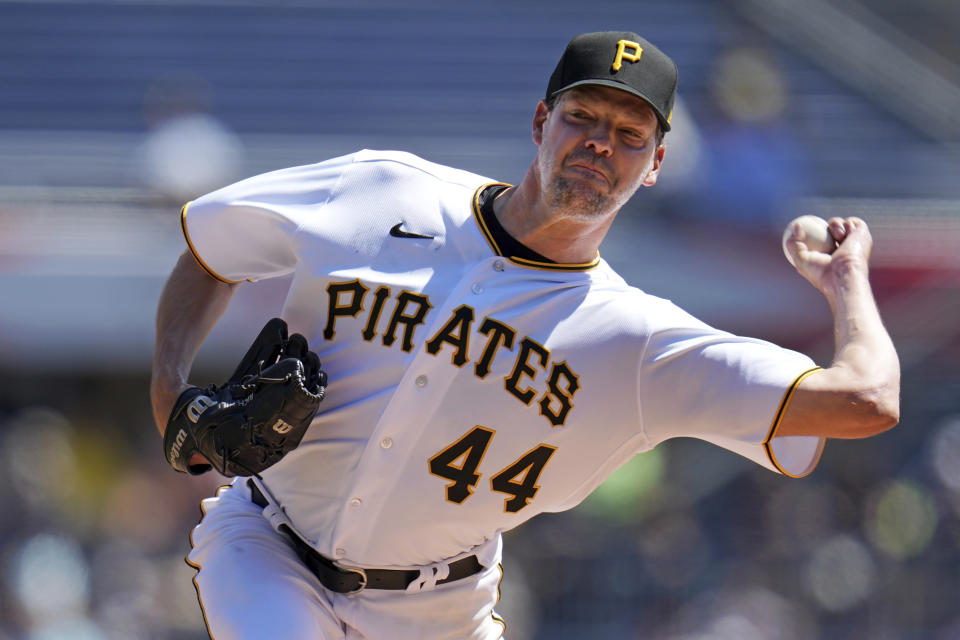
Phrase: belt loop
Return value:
(276, 516)
(428, 578)
(341, 578)
(272, 510)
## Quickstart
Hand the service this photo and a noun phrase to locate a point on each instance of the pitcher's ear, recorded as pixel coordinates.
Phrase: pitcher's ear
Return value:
(651, 178)
(539, 119)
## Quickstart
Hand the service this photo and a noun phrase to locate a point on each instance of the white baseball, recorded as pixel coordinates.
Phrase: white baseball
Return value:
(817, 234)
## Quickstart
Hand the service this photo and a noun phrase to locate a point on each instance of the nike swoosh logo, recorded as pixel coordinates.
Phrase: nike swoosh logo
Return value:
(397, 232)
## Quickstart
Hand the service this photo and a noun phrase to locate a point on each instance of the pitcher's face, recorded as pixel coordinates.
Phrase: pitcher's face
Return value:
(596, 148)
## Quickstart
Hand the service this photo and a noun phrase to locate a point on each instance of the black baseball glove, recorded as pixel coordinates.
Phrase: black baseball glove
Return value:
(258, 416)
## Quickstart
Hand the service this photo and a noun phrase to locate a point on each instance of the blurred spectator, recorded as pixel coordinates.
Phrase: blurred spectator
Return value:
(89, 550)
(187, 152)
(684, 157)
(750, 165)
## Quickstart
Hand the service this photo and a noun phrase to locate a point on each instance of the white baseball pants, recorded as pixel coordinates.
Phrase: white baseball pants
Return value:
(252, 586)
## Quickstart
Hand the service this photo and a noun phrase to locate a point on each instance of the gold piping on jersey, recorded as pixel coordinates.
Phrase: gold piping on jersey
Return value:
(523, 262)
(203, 513)
(183, 225)
(493, 613)
(776, 425)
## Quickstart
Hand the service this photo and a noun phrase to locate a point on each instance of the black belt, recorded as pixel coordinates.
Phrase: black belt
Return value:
(350, 580)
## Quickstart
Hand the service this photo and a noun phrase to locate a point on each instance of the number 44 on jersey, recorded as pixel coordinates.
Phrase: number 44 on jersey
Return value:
(460, 461)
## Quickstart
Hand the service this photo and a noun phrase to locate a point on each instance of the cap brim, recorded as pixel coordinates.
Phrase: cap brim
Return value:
(613, 84)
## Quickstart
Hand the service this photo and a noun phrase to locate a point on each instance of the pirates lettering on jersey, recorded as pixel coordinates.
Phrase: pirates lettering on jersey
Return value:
(355, 291)
(410, 321)
(457, 333)
(523, 367)
(531, 365)
(500, 335)
(379, 297)
(346, 300)
(559, 373)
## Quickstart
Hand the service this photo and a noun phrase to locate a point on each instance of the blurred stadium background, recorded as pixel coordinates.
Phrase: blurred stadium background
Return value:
(114, 113)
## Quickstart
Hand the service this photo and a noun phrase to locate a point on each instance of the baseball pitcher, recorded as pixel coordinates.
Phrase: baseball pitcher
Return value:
(455, 357)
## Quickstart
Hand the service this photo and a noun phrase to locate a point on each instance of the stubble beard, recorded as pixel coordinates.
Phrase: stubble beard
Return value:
(575, 197)
(575, 200)
(581, 198)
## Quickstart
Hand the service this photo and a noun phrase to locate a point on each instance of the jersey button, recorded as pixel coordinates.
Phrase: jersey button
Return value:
(356, 502)
(339, 552)
(477, 288)
(386, 443)
(498, 265)
(421, 381)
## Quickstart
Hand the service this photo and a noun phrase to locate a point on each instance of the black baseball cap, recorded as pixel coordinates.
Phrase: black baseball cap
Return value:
(622, 60)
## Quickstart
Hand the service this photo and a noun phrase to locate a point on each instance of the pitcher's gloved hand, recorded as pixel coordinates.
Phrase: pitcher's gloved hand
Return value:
(254, 419)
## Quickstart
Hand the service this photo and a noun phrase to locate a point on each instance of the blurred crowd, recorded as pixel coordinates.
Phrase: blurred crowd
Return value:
(93, 541)
(686, 542)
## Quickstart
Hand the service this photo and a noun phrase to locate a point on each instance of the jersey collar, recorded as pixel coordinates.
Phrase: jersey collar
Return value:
(483, 215)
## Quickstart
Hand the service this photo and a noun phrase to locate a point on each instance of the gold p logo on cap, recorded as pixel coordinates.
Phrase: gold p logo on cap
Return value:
(622, 53)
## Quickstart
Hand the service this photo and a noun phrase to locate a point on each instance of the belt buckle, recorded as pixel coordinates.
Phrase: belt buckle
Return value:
(357, 570)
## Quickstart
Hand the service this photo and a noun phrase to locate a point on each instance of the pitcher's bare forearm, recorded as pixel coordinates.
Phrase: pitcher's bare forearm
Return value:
(859, 394)
(190, 306)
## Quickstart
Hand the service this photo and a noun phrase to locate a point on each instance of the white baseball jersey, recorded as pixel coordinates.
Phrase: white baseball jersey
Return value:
(470, 390)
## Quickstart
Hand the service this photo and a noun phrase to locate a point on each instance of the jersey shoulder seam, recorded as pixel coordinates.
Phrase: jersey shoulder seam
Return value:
(321, 205)
(433, 169)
